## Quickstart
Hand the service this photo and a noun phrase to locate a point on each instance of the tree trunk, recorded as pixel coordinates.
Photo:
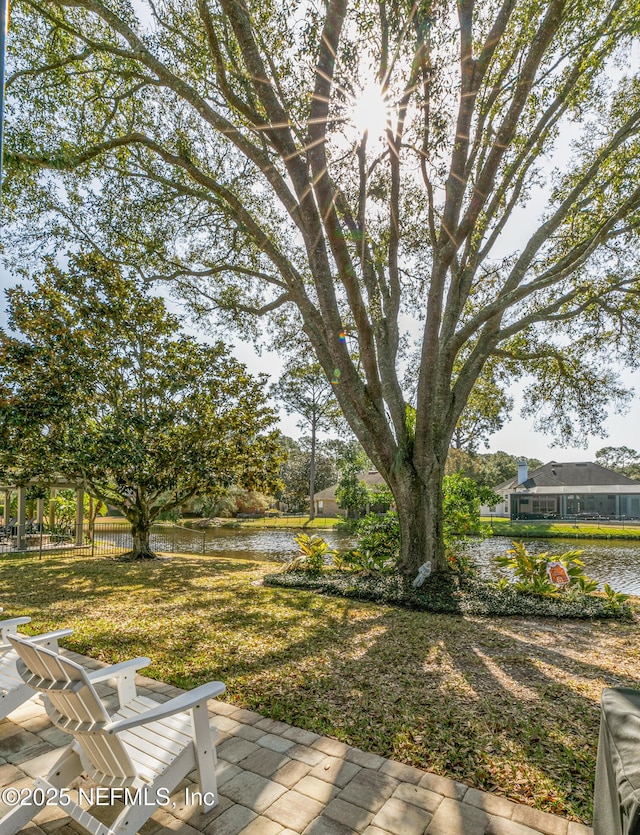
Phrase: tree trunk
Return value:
(419, 504)
(312, 472)
(140, 532)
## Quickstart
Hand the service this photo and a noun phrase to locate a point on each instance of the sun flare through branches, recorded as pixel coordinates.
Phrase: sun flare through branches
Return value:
(371, 112)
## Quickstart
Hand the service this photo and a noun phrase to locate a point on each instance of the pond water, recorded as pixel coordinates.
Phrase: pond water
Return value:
(607, 561)
(244, 543)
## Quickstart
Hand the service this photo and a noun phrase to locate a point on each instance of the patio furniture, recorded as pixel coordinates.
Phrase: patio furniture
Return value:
(616, 808)
(139, 755)
(33, 526)
(13, 690)
(6, 530)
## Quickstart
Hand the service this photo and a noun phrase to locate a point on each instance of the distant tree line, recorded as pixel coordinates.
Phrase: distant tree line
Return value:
(621, 459)
(487, 469)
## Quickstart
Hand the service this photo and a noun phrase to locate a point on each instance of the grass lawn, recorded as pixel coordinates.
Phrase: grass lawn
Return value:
(507, 705)
(293, 522)
(570, 530)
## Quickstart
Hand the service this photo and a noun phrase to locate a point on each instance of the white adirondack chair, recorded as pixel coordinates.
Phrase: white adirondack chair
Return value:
(146, 745)
(13, 690)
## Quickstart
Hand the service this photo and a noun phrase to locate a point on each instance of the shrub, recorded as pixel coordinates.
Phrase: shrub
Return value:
(341, 560)
(461, 501)
(313, 553)
(365, 560)
(531, 575)
(445, 593)
(615, 599)
(459, 561)
(380, 535)
(378, 546)
(585, 585)
(347, 524)
(530, 570)
(532, 593)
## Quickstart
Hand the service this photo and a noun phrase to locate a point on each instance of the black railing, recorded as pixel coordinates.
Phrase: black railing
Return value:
(34, 537)
(111, 538)
(101, 538)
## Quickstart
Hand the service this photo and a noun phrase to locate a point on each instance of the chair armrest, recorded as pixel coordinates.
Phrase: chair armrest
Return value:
(50, 636)
(116, 670)
(11, 623)
(10, 626)
(185, 701)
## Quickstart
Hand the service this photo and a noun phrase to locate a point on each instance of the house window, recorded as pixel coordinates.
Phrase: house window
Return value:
(544, 505)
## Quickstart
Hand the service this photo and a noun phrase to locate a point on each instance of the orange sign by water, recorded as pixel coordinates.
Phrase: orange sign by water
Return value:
(557, 574)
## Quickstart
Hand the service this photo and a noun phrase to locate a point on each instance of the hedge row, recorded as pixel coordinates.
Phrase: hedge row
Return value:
(448, 594)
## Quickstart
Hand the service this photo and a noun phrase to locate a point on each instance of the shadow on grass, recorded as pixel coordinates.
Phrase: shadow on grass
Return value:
(508, 706)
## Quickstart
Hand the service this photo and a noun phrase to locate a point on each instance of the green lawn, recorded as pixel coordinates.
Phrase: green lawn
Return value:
(577, 530)
(507, 705)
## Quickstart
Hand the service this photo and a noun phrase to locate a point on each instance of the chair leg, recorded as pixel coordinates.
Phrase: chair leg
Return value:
(18, 817)
(132, 818)
(205, 751)
(66, 769)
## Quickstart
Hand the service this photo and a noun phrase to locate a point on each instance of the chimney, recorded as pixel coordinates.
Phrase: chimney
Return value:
(523, 471)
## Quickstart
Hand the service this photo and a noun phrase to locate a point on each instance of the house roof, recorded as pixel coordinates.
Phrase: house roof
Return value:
(370, 478)
(327, 494)
(556, 477)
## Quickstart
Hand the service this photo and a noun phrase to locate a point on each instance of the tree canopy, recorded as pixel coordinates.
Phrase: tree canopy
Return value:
(622, 459)
(352, 493)
(488, 469)
(219, 145)
(99, 385)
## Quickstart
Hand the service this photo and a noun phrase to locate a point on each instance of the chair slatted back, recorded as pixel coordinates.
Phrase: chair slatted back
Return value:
(73, 705)
(47, 670)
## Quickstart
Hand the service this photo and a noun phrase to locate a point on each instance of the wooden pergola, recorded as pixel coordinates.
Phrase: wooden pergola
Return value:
(52, 485)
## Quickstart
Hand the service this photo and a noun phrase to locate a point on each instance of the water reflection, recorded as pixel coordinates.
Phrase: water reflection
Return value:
(245, 543)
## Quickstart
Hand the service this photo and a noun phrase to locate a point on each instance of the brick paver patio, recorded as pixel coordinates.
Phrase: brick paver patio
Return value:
(275, 779)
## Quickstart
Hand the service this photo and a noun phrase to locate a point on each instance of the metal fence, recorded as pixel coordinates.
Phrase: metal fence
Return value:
(103, 538)
(29, 538)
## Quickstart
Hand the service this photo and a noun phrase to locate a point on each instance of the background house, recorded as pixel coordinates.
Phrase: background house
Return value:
(567, 491)
(326, 504)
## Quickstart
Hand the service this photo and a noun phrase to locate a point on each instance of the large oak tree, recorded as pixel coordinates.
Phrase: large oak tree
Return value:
(215, 144)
